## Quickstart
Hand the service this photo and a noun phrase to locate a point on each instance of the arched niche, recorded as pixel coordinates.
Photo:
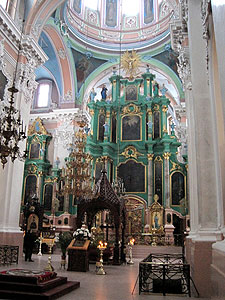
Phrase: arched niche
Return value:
(156, 125)
(158, 178)
(114, 129)
(30, 187)
(48, 192)
(101, 129)
(177, 187)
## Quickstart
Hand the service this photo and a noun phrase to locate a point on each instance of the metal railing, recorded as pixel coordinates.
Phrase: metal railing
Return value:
(9, 254)
(164, 273)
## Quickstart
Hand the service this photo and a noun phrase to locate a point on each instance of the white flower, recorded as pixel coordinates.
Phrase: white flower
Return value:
(82, 232)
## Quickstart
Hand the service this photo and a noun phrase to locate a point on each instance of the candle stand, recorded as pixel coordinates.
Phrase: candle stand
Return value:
(130, 246)
(40, 243)
(102, 246)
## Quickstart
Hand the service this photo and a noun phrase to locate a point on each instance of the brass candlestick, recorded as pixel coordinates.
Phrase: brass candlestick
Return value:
(102, 246)
(130, 246)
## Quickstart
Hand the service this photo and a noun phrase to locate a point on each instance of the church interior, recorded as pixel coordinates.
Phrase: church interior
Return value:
(112, 120)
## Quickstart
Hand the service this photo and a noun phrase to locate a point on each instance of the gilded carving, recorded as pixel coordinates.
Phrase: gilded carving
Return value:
(32, 169)
(166, 155)
(175, 166)
(131, 109)
(49, 180)
(158, 158)
(164, 129)
(164, 108)
(37, 128)
(92, 112)
(150, 156)
(149, 111)
(156, 216)
(156, 107)
(131, 151)
(130, 62)
(102, 111)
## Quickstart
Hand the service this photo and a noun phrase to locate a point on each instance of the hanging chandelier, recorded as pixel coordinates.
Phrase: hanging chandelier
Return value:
(11, 131)
(77, 173)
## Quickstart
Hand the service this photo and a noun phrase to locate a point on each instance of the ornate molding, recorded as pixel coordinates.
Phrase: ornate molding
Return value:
(131, 151)
(131, 109)
(37, 128)
(205, 12)
(68, 97)
(184, 11)
(150, 156)
(166, 155)
(62, 53)
(25, 79)
(183, 67)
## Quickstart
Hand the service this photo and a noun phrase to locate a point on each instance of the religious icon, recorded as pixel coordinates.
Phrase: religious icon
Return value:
(131, 128)
(131, 93)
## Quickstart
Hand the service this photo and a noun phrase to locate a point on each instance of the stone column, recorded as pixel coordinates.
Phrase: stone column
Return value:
(11, 177)
(217, 77)
(202, 145)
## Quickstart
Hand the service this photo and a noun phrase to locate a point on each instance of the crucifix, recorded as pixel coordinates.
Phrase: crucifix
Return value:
(107, 226)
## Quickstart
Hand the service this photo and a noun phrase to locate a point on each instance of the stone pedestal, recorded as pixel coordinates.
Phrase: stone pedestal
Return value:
(218, 270)
(199, 256)
(169, 238)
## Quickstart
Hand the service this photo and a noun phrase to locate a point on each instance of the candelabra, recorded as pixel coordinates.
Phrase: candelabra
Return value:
(11, 131)
(102, 246)
(130, 246)
(77, 173)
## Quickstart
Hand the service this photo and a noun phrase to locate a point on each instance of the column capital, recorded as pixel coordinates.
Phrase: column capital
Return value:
(150, 156)
(166, 155)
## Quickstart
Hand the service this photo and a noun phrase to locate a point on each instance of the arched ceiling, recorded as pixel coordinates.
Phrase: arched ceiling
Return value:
(97, 32)
(119, 24)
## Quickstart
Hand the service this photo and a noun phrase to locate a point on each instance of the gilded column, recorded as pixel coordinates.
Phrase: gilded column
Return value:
(66, 203)
(164, 120)
(166, 157)
(150, 178)
(39, 185)
(107, 126)
(92, 112)
(150, 123)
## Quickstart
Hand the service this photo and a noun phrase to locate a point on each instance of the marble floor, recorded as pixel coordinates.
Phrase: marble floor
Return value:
(117, 284)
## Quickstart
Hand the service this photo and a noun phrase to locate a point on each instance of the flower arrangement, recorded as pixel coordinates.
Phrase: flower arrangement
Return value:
(82, 234)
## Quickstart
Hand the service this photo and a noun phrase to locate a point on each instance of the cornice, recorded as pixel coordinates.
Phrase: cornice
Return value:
(29, 47)
(62, 114)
